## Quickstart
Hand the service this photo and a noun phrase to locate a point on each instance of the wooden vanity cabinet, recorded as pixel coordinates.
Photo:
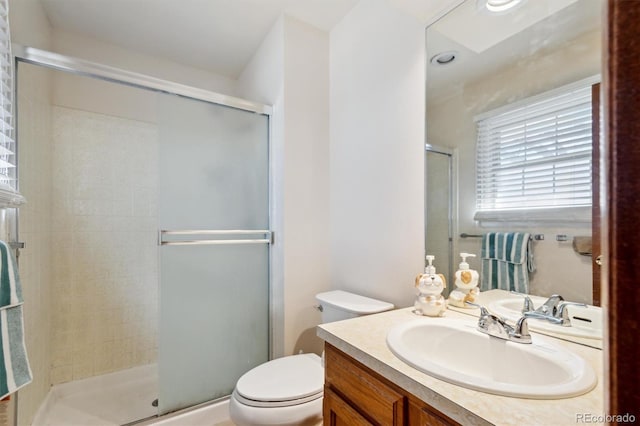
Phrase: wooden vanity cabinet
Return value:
(355, 395)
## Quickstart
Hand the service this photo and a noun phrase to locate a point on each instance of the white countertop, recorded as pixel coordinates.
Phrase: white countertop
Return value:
(364, 339)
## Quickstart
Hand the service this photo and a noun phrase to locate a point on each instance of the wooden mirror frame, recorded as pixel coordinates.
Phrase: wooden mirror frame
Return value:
(621, 207)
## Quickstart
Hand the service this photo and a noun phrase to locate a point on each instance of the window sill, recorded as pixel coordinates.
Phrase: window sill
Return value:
(558, 215)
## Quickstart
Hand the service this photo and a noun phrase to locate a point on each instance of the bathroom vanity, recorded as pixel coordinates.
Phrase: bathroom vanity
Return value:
(365, 382)
(352, 388)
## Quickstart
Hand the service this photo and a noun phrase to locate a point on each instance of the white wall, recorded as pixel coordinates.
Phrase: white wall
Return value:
(376, 163)
(291, 71)
(29, 24)
(450, 123)
(83, 47)
(306, 180)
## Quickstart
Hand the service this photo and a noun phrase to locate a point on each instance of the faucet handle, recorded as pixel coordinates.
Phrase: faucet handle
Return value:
(563, 312)
(487, 319)
(484, 312)
(521, 331)
(528, 303)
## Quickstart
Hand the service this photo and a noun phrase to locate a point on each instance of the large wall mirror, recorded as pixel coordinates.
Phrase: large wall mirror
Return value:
(480, 62)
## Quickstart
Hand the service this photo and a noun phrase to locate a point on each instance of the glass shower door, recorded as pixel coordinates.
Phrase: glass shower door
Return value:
(214, 254)
(439, 214)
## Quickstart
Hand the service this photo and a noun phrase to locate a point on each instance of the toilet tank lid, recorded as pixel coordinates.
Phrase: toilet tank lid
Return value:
(353, 303)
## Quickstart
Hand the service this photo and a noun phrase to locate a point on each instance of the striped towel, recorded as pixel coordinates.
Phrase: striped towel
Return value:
(507, 260)
(15, 371)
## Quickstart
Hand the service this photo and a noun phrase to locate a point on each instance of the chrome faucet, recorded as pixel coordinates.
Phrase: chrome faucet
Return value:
(553, 310)
(528, 305)
(495, 326)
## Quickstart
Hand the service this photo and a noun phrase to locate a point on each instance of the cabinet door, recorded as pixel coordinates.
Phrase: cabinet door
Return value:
(421, 414)
(368, 394)
(337, 412)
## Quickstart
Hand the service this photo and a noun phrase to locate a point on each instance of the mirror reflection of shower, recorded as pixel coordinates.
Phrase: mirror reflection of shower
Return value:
(440, 201)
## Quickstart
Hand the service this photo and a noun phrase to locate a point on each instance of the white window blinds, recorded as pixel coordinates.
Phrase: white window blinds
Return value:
(8, 179)
(536, 154)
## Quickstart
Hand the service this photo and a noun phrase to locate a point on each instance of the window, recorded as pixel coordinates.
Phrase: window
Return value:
(9, 196)
(534, 157)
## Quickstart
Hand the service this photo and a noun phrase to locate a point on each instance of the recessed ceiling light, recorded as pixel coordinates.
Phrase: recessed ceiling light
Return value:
(444, 58)
(498, 6)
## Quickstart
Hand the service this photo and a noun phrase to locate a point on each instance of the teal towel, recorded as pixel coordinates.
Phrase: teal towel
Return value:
(15, 371)
(10, 288)
(507, 260)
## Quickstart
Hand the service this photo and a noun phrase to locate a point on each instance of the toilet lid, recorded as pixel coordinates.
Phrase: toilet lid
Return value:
(283, 379)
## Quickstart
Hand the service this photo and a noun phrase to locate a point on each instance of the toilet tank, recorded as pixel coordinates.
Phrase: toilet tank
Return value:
(340, 305)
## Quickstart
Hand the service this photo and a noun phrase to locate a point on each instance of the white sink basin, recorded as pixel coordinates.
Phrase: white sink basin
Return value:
(454, 351)
(585, 322)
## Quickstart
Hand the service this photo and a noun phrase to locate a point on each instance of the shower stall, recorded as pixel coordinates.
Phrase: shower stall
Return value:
(440, 209)
(151, 208)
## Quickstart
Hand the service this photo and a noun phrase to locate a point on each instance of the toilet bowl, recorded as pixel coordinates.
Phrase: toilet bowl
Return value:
(288, 391)
(285, 391)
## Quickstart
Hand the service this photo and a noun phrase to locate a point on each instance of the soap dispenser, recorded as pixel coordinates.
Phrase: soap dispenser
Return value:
(466, 281)
(429, 300)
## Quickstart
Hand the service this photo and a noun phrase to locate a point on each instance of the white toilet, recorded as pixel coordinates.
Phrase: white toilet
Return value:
(288, 391)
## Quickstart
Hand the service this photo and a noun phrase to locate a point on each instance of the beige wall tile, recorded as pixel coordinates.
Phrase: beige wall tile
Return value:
(105, 269)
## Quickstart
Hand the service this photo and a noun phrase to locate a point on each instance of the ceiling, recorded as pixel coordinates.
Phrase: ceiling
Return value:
(220, 36)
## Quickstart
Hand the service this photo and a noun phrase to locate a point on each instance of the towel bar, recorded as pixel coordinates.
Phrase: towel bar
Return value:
(536, 237)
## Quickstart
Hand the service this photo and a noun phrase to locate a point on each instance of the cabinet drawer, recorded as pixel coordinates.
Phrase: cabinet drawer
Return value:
(373, 398)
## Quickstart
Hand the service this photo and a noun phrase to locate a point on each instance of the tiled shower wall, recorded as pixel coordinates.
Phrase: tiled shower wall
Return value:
(34, 105)
(104, 244)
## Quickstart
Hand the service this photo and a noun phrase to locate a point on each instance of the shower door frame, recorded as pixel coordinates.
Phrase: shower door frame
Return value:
(99, 71)
(117, 75)
(452, 179)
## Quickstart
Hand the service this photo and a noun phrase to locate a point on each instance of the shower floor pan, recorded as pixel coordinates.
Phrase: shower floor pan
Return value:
(111, 399)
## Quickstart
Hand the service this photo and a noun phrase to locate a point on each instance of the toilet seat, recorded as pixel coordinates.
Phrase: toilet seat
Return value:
(274, 404)
(282, 382)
